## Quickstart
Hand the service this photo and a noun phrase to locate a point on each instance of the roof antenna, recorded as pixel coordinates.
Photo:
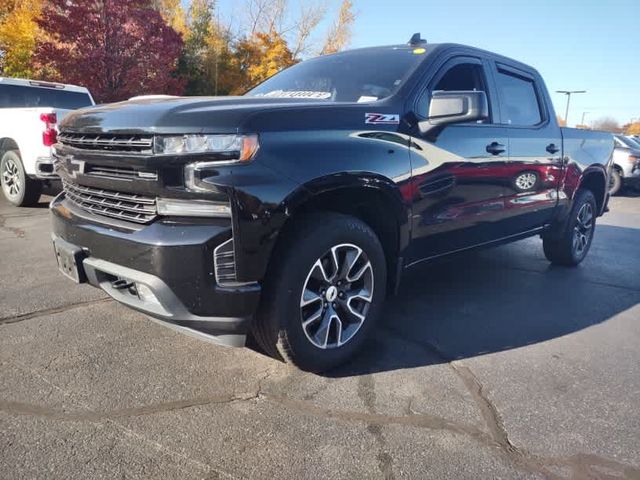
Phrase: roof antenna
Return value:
(416, 40)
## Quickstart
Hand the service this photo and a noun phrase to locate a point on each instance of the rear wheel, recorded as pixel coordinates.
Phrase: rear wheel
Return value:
(322, 298)
(574, 241)
(615, 181)
(17, 187)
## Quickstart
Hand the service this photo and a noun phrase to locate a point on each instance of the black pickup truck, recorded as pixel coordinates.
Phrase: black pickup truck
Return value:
(290, 212)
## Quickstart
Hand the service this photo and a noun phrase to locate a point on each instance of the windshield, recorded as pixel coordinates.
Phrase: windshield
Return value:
(356, 76)
(17, 96)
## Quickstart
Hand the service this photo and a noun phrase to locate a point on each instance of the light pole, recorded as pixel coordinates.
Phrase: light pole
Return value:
(583, 115)
(568, 94)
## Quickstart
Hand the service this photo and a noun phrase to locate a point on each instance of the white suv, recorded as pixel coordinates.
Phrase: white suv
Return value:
(29, 114)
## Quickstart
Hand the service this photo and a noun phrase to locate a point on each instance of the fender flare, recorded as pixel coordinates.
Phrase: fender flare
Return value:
(354, 180)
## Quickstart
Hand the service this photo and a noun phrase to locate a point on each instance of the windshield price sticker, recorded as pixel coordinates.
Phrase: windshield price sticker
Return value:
(298, 94)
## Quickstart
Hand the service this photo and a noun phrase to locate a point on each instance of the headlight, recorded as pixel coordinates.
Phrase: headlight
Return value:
(231, 148)
(192, 208)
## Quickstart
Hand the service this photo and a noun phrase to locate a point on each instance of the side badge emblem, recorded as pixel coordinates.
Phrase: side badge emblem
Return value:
(382, 118)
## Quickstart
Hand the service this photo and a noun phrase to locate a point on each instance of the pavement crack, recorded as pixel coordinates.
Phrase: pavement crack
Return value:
(487, 409)
(421, 420)
(50, 311)
(578, 466)
(367, 393)
(26, 409)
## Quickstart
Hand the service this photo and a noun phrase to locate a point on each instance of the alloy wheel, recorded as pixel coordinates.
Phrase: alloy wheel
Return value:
(583, 229)
(336, 296)
(526, 181)
(11, 178)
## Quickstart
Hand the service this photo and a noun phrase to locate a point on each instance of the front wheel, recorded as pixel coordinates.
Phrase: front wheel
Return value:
(574, 241)
(323, 295)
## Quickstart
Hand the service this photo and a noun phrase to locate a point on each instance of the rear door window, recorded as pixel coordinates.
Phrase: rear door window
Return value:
(18, 96)
(519, 103)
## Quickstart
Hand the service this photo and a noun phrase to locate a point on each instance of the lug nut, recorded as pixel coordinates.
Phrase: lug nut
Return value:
(333, 305)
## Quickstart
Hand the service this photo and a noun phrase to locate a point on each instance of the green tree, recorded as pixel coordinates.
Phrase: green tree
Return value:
(196, 47)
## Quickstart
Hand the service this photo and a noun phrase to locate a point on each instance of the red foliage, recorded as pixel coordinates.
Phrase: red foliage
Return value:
(116, 48)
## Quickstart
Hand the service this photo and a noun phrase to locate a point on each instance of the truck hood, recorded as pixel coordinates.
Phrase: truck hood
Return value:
(216, 115)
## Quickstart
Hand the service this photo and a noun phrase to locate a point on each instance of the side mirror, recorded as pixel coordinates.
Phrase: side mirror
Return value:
(455, 107)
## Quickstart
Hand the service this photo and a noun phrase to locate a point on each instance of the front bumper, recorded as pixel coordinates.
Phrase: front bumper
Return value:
(165, 269)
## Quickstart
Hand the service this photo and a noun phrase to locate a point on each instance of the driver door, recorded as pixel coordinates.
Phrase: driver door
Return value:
(458, 172)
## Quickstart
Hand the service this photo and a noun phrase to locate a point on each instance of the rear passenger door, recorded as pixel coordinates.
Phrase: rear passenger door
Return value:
(535, 166)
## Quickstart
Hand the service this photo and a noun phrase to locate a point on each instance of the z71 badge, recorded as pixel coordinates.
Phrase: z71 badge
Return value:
(382, 118)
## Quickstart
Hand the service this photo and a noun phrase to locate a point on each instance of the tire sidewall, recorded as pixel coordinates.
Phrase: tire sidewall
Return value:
(293, 341)
(617, 182)
(584, 196)
(13, 155)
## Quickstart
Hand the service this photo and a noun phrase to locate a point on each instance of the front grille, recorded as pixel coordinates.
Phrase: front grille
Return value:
(124, 173)
(224, 261)
(124, 206)
(108, 143)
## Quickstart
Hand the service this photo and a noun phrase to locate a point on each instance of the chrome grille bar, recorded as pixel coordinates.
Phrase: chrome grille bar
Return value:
(108, 142)
(124, 206)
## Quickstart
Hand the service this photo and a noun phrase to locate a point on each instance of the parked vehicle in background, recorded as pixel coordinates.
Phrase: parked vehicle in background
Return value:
(626, 164)
(635, 140)
(30, 111)
(290, 212)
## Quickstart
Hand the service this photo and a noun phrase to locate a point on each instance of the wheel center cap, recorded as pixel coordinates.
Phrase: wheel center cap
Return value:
(332, 293)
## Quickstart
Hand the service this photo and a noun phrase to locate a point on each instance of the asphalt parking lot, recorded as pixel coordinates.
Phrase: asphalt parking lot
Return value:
(490, 365)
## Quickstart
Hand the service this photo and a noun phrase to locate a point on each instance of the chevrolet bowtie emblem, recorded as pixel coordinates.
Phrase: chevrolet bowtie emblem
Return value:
(74, 167)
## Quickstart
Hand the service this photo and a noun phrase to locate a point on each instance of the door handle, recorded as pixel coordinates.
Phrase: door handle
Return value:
(551, 148)
(495, 148)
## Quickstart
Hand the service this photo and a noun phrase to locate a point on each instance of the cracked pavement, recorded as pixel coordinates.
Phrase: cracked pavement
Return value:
(489, 365)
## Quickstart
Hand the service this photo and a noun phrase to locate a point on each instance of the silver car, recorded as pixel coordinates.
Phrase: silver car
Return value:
(626, 164)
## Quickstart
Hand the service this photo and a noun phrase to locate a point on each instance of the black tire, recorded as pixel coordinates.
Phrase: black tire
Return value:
(563, 249)
(278, 328)
(17, 187)
(615, 181)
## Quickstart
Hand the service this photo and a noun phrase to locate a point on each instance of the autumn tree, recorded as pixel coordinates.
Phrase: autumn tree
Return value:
(18, 32)
(173, 15)
(632, 128)
(607, 124)
(223, 69)
(261, 57)
(339, 35)
(116, 48)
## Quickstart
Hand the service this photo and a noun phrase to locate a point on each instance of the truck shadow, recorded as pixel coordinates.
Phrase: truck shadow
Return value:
(500, 299)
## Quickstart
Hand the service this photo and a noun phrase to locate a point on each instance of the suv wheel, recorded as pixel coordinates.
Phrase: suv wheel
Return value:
(17, 187)
(572, 246)
(323, 296)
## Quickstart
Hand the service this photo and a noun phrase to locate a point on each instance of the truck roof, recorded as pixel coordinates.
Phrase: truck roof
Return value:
(42, 84)
(432, 48)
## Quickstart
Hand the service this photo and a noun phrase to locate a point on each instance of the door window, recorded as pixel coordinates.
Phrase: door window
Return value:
(460, 77)
(518, 99)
